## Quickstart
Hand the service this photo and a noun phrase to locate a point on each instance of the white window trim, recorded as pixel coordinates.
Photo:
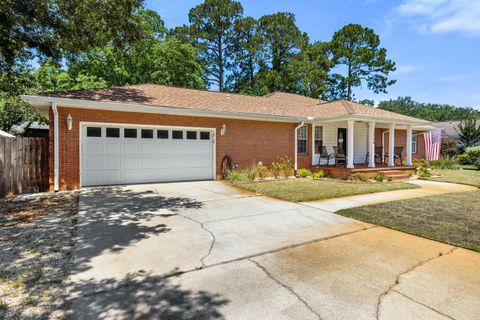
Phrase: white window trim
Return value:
(315, 138)
(301, 139)
(414, 139)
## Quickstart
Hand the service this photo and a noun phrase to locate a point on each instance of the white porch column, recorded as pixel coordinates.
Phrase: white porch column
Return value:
(371, 144)
(391, 145)
(350, 142)
(409, 146)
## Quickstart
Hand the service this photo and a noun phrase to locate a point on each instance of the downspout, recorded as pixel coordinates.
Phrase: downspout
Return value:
(55, 147)
(296, 147)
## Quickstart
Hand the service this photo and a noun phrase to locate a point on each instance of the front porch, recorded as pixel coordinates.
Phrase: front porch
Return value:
(343, 148)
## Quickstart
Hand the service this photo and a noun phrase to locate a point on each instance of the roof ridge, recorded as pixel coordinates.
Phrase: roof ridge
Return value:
(347, 106)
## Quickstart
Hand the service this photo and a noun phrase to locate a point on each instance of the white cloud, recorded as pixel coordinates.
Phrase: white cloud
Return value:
(407, 68)
(452, 78)
(441, 16)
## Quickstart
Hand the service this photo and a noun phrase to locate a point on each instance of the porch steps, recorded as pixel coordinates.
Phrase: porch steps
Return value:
(396, 175)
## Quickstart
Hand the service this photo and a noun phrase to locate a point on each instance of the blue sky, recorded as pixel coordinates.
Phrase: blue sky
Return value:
(435, 43)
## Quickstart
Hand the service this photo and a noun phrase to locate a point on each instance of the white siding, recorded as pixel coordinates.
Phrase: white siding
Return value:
(330, 139)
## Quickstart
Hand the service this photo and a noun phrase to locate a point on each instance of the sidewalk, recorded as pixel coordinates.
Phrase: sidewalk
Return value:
(427, 188)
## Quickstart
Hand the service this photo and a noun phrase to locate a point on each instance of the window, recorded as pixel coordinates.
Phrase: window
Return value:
(414, 141)
(177, 134)
(204, 135)
(162, 134)
(94, 132)
(113, 132)
(318, 139)
(302, 140)
(192, 135)
(130, 133)
(147, 134)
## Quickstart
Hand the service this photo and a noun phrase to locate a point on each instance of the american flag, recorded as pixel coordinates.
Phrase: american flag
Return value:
(433, 144)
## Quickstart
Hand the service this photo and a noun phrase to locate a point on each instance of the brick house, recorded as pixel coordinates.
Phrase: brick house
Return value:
(153, 133)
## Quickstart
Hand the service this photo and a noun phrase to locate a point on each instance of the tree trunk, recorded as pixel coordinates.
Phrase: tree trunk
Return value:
(349, 85)
(220, 66)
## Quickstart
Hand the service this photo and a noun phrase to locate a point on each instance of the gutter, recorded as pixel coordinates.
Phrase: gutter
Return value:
(55, 148)
(296, 145)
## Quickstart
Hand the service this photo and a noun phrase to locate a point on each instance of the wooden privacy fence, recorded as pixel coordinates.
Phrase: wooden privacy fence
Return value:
(23, 165)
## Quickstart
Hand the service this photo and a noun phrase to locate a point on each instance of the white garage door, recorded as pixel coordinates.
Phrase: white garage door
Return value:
(113, 154)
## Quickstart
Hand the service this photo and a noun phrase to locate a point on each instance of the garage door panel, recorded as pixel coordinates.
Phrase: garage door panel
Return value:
(113, 147)
(93, 147)
(120, 160)
(130, 147)
(112, 163)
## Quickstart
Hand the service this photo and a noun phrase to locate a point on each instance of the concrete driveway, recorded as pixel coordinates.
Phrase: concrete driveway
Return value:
(203, 250)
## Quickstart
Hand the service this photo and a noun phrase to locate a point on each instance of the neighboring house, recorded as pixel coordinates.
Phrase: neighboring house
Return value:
(153, 133)
(4, 134)
(450, 130)
(34, 130)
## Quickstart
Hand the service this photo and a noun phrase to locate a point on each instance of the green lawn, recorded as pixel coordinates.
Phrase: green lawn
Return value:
(297, 190)
(452, 218)
(465, 176)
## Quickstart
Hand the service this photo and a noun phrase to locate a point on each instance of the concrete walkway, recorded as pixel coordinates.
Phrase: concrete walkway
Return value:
(427, 188)
(202, 250)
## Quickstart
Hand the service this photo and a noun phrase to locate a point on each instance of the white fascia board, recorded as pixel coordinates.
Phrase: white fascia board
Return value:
(39, 101)
(367, 118)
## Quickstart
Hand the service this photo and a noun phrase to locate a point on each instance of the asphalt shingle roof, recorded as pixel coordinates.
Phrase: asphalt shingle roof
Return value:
(277, 103)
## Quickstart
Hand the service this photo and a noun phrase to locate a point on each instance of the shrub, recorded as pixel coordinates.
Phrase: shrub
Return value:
(464, 159)
(262, 171)
(473, 154)
(477, 163)
(234, 175)
(276, 169)
(303, 173)
(249, 173)
(423, 172)
(286, 166)
(381, 177)
(318, 175)
(445, 163)
(450, 149)
(359, 177)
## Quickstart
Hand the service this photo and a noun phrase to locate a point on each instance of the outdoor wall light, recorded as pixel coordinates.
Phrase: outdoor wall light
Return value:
(69, 122)
(223, 130)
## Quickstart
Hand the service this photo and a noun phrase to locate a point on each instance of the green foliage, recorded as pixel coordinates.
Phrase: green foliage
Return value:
(473, 155)
(14, 111)
(468, 131)
(276, 169)
(464, 159)
(234, 175)
(54, 29)
(477, 163)
(424, 172)
(445, 163)
(381, 178)
(356, 48)
(286, 166)
(428, 111)
(304, 173)
(359, 177)
(318, 175)
(211, 31)
(262, 171)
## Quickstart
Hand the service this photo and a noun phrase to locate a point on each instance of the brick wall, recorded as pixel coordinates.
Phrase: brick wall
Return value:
(245, 141)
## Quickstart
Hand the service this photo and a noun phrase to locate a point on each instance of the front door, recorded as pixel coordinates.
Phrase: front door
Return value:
(342, 139)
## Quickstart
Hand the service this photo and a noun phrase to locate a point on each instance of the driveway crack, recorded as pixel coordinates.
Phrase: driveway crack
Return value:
(286, 287)
(423, 304)
(212, 243)
(398, 277)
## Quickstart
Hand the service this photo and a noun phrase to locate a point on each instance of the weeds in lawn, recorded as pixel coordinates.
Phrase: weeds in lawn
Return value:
(3, 305)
